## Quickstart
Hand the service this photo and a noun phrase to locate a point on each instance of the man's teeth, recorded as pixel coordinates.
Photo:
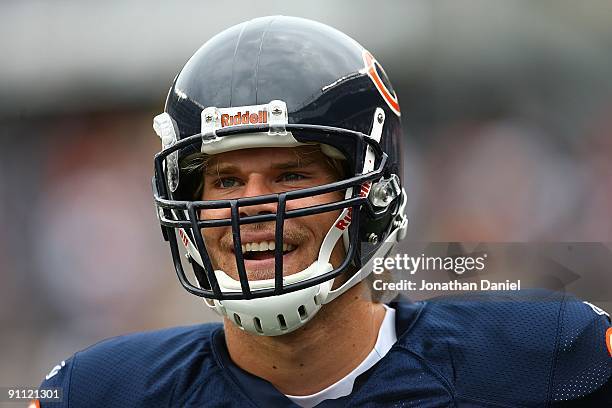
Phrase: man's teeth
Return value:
(264, 246)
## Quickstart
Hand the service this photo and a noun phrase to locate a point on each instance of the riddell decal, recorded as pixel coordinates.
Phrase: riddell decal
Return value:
(370, 68)
(184, 238)
(246, 118)
(609, 340)
(346, 220)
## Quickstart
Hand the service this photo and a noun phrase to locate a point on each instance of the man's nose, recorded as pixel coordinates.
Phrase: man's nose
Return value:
(257, 186)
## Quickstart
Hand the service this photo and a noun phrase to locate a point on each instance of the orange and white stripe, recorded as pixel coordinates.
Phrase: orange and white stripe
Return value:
(370, 68)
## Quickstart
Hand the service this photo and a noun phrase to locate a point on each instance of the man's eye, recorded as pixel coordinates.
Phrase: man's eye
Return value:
(292, 177)
(227, 182)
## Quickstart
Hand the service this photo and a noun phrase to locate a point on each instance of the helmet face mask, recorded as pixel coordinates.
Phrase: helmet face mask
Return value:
(345, 119)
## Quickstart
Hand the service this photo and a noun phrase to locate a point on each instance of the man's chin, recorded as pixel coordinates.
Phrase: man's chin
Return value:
(263, 269)
(257, 273)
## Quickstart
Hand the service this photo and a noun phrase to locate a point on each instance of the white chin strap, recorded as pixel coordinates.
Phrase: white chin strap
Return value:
(274, 315)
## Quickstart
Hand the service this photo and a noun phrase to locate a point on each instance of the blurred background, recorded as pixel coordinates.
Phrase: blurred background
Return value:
(507, 110)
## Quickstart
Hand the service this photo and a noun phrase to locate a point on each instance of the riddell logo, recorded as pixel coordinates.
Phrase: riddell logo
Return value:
(184, 238)
(246, 118)
(346, 220)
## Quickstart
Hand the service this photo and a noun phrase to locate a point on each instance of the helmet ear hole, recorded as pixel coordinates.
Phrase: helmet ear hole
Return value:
(237, 320)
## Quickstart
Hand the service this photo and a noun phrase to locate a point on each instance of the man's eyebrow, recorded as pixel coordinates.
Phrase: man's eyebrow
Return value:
(216, 168)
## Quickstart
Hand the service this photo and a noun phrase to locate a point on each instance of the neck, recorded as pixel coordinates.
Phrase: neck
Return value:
(317, 355)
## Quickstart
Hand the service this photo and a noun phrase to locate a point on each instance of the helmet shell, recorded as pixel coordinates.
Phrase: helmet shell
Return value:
(318, 71)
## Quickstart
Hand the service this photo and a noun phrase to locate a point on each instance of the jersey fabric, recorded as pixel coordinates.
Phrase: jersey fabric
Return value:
(505, 349)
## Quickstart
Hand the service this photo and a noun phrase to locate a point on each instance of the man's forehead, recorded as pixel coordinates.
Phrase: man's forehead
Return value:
(273, 157)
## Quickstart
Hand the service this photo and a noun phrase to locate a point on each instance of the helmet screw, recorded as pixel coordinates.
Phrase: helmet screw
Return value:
(276, 110)
(208, 118)
(380, 118)
(373, 238)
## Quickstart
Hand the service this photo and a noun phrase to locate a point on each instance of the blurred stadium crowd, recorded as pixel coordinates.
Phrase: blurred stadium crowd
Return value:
(507, 108)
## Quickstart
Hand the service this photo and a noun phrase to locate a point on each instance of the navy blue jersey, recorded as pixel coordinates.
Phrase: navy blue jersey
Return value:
(510, 349)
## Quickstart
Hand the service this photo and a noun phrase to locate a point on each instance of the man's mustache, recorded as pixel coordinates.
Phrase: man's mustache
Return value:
(293, 234)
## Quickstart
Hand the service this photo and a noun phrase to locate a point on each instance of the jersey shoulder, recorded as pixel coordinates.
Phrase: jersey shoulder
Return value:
(142, 369)
(527, 347)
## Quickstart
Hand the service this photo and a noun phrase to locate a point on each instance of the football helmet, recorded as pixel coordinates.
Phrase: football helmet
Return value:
(281, 82)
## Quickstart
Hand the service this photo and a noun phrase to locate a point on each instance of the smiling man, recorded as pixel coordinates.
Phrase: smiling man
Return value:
(277, 187)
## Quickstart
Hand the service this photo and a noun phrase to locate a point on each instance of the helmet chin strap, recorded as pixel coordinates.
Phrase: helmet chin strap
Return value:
(275, 315)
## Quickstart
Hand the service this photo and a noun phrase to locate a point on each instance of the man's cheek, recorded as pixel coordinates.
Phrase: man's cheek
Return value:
(315, 200)
(300, 203)
(214, 214)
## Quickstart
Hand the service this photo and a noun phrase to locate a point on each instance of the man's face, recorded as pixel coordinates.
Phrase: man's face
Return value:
(260, 171)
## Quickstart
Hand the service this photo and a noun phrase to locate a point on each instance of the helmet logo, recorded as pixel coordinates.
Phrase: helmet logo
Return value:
(273, 114)
(246, 118)
(374, 71)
